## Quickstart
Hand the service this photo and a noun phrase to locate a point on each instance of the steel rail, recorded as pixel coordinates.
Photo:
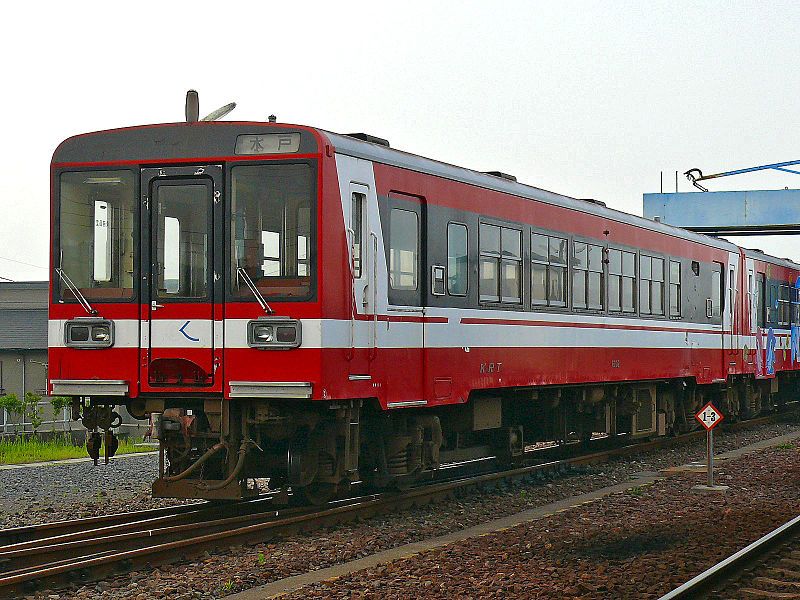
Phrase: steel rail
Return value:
(27, 533)
(25, 557)
(721, 573)
(76, 544)
(110, 556)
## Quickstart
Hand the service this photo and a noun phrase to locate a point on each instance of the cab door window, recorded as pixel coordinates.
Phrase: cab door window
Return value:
(182, 240)
(403, 249)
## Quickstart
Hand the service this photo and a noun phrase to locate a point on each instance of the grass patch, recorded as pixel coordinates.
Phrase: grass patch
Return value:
(20, 451)
(637, 491)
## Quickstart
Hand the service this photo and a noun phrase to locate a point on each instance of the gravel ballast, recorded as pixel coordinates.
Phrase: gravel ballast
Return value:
(238, 568)
(56, 492)
(638, 544)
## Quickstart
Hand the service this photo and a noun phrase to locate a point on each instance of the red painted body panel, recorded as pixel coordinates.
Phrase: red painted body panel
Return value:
(435, 374)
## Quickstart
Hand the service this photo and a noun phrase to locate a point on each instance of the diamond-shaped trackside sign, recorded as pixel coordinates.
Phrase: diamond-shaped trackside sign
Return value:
(709, 416)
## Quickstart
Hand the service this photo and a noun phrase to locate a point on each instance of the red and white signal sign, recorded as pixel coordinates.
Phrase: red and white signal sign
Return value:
(709, 416)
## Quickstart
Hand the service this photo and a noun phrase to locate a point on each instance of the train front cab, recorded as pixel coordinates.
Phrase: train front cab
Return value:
(180, 289)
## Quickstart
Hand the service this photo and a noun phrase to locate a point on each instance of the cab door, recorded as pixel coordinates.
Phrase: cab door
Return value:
(181, 326)
(731, 325)
(404, 336)
(363, 255)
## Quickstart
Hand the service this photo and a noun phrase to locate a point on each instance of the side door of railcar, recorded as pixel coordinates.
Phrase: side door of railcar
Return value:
(402, 338)
(731, 325)
(750, 315)
(182, 233)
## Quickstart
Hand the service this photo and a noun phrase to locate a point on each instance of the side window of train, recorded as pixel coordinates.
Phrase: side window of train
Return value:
(761, 299)
(713, 304)
(651, 285)
(500, 264)
(357, 228)
(403, 249)
(621, 281)
(784, 306)
(795, 295)
(674, 288)
(731, 292)
(548, 270)
(587, 276)
(457, 259)
(772, 305)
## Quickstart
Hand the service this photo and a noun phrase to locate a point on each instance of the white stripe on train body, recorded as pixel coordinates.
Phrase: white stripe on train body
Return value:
(582, 331)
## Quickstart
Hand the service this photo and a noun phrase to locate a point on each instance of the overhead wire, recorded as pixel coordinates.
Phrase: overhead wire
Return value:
(20, 262)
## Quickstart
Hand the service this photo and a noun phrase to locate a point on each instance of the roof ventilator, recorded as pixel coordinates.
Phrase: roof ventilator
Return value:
(592, 201)
(501, 175)
(372, 139)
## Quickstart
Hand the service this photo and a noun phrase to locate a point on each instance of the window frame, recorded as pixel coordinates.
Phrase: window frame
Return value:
(447, 264)
(650, 284)
(675, 287)
(55, 294)
(500, 260)
(548, 265)
(784, 305)
(360, 202)
(227, 237)
(717, 295)
(211, 228)
(417, 252)
(574, 269)
(621, 311)
(761, 292)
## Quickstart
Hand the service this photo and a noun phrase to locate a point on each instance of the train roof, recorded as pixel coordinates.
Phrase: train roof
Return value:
(351, 146)
(100, 146)
(763, 256)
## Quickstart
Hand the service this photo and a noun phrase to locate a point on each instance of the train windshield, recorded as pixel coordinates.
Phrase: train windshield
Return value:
(272, 229)
(96, 233)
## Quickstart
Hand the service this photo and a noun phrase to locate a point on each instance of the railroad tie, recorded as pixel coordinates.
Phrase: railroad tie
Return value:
(752, 593)
(778, 584)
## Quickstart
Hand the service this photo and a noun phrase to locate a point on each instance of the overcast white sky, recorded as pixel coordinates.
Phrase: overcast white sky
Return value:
(585, 98)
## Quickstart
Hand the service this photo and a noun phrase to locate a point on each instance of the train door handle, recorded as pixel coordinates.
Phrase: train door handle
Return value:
(155, 305)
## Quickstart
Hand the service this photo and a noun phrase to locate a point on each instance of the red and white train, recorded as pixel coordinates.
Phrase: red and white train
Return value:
(317, 308)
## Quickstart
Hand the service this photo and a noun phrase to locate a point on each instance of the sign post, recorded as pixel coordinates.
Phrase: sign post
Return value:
(709, 417)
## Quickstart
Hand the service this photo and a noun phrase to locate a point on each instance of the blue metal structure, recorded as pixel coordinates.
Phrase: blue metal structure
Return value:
(756, 212)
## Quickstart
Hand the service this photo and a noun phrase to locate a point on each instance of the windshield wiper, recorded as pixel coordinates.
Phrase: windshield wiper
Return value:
(240, 272)
(75, 291)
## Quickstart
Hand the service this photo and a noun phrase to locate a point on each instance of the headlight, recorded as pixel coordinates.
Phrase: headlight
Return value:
(88, 332)
(101, 333)
(276, 333)
(263, 333)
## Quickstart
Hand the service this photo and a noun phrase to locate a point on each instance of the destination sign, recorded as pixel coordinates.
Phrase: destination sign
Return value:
(267, 143)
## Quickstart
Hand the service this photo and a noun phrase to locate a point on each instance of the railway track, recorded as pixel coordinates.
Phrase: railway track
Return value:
(54, 555)
(769, 568)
